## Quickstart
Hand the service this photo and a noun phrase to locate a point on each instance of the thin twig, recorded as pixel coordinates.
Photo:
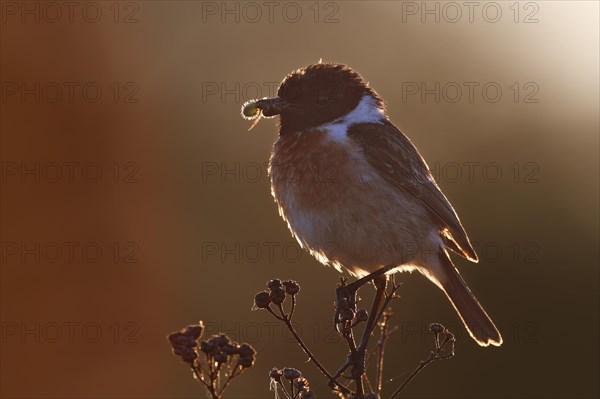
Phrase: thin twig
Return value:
(360, 392)
(293, 306)
(356, 357)
(231, 376)
(433, 356)
(349, 336)
(368, 383)
(381, 350)
(200, 377)
(287, 395)
(312, 357)
(273, 313)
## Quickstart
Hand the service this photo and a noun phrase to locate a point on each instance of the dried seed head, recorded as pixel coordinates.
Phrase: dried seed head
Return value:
(275, 374)
(291, 287)
(231, 349)
(262, 300)
(186, 337)
(247, 362)
(277, 296)
(179, 339)
(214, 341)
(347, 314)
(204, 346)
(208, 347)
(220, 357)
(291, 374)
(301, 383)
(186, 353)
(308, 394)
(246, 350)
(275, 283)
(342, 304)
(194, 331)
(222, 340)
(174, 338)
(361, 315)
(436, 328)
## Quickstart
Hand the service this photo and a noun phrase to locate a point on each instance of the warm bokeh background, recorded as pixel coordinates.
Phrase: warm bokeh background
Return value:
(541, 288)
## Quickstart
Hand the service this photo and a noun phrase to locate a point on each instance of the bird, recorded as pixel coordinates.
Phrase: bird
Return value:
(355, 191)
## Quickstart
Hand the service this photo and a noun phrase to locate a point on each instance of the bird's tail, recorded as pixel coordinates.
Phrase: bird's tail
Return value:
(478, 323)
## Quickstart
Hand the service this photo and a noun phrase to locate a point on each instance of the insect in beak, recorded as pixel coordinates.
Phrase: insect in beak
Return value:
(265, 107)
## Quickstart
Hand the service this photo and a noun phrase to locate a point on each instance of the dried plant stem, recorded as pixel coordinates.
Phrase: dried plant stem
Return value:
(293, 307)
(436, 354)
(287, 395)
(209, 375)
(312, 357)
(357, 354)
(198, 375)
(353, 360)
(369, 386)
(230, 377)
(288, 322)
(360, 392)
(210, 388)
(347, 317)
(421, 366)
(354, 354)
(381, 349)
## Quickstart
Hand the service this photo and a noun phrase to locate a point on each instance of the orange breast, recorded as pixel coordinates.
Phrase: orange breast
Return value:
(310, 167)
(338, 207)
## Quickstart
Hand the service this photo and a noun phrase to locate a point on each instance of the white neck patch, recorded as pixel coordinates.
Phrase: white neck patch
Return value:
(366, 111)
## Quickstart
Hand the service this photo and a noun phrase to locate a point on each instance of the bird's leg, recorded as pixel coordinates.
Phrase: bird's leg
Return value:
(344, 313)
(346, 293)
(380, 284)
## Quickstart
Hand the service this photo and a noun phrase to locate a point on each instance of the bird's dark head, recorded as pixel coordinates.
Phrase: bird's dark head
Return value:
(314, 95)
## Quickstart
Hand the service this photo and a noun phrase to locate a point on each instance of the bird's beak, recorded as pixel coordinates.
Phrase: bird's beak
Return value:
(267, 106)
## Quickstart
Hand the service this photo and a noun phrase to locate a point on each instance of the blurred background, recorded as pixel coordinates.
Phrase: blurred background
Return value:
(135, 202)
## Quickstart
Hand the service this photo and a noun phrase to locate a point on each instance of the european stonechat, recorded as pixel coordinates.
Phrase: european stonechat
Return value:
(357, 193)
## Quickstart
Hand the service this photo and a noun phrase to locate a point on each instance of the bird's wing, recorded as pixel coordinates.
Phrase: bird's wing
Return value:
(398, 161)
